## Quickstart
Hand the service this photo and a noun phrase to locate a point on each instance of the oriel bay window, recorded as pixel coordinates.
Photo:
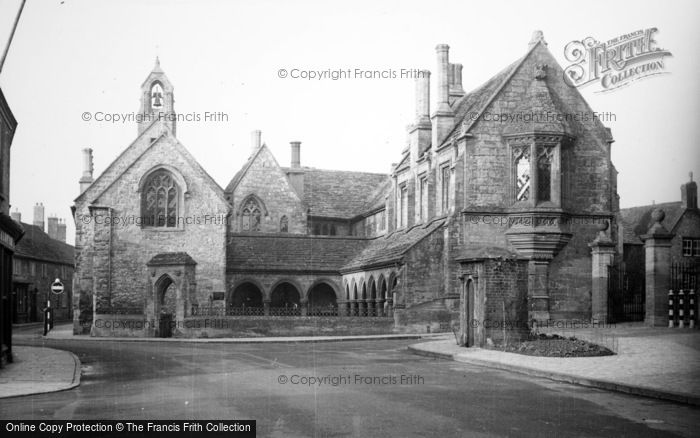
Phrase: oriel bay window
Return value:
(536, 169)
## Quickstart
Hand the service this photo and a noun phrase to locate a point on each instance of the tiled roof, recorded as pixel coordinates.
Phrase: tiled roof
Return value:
(637, 220)
(36, 244)
(340, 194)
(171, 258)
(289, 252)
(391, 248)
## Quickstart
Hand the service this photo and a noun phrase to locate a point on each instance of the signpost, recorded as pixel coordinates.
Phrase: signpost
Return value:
(56, 288)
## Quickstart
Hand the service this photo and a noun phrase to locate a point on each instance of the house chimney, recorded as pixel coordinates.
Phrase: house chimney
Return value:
(443, 116)
(689, 194)
(455, 79)
(16, 216)
(255, 140)
(419, 133)
(296, 150)
(52, 227)
(61, 230)
(39, 215)
(423, 97)
(86, 179)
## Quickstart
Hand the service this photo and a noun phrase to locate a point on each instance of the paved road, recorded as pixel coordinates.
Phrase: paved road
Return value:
(124, 380)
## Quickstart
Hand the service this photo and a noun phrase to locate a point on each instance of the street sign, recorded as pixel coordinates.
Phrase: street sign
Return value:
(57, 287)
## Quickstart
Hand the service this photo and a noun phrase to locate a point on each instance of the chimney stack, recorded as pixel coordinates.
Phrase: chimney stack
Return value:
(423, 97)
(255, 140)
(39, 215)
(16, 216)
(419, 133)
(689, 194)
(443, 116)
(86, 179)
(455, 78)
(62, 230)
(296, 151)
(52, 227)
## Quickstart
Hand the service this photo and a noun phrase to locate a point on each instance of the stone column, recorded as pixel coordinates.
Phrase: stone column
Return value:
(657, 248)
(304, 307)
(379, 305)
(602, 255)
(266, 307)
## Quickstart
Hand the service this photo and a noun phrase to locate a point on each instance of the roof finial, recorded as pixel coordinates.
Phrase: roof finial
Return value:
(690, 174)
(157, 68)
(537, 36)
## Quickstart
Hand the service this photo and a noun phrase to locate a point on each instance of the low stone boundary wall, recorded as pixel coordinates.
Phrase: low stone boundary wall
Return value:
(132, 326)
(259, 326)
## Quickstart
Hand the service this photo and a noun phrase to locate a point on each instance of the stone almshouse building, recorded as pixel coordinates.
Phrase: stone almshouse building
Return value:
(497, 221)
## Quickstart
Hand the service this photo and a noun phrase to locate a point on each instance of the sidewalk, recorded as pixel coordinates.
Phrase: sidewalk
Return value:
(38, 370)
(652, 362)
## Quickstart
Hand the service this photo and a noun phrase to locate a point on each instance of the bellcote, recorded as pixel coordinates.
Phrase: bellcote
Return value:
(157, 100)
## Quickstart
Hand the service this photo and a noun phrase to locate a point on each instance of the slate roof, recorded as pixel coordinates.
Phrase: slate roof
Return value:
(391, 248)
(341, 194)
(485, 252)
(36, 244)
(637, 220)
(171, 258)
(290, 252)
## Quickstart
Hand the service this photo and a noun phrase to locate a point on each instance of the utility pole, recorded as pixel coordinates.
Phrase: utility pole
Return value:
(12, 34)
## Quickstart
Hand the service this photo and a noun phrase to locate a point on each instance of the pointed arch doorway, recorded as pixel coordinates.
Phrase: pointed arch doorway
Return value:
(172, 279)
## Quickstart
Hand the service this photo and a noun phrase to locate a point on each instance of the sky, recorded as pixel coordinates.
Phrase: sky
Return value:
(69, 57)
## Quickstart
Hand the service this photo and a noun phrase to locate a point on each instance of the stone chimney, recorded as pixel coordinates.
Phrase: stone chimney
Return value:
(296, 173)
(455, 79)
(16, 216)
(86, 180)
(39, 215)
(296, 151)
(443, 117)
(419, 133)
(255, 141)
(52, 227)
(689, 194)
(61, 230)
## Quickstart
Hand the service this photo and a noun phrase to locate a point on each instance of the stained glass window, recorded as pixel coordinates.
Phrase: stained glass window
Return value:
(160, 200)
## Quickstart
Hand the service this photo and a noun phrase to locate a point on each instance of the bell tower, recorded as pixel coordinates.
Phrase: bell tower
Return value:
(157, 101)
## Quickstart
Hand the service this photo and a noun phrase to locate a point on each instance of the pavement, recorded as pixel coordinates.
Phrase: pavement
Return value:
(39, 370)
(654, 362)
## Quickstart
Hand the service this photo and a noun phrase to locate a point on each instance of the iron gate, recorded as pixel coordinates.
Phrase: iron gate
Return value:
(626, 295)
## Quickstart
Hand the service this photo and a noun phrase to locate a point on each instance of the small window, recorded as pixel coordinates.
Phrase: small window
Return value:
(251, 216)
(424, 198)
(445, 173)
(691, 247)
(333, 230)
(544, 174)
(522, 173)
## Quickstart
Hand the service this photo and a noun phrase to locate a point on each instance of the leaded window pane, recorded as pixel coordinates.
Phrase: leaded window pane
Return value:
(160, 200)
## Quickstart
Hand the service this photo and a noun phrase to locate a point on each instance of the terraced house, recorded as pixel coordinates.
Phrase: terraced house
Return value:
(501, 209)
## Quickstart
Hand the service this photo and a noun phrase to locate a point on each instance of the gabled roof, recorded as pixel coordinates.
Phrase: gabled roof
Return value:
(391, 248)
(290, 252)
(338, 193)
(239, 175)
(637, 220)
(180, 147)
(36, 244)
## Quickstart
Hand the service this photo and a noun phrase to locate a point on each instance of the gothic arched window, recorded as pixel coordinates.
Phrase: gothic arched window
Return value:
(160, 200)
(251, 216)
(284, 224)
